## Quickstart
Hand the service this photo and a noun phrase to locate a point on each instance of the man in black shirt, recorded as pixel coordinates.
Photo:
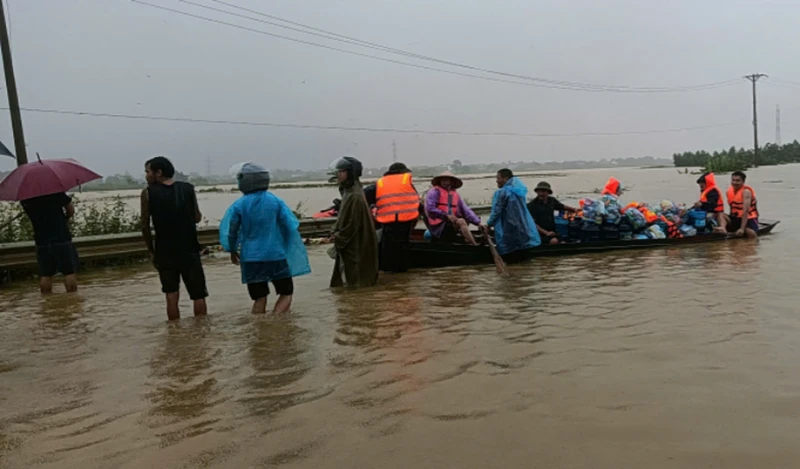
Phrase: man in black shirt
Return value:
(542, 210)
(54, 250)
(172, 205)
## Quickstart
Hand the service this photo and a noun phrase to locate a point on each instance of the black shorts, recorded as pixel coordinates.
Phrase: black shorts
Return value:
(736, 223)
(283, 286)
(189, 268)
(57, 257)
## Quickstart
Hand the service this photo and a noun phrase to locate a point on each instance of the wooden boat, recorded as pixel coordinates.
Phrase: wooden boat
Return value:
(425, 254)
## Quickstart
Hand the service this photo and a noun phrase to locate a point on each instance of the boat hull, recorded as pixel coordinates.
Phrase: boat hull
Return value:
(424, 255)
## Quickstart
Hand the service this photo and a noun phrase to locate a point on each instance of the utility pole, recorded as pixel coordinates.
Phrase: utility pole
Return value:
(754, 78)
(208, 159)
(11, 86)
(778, 124)
(394, 149)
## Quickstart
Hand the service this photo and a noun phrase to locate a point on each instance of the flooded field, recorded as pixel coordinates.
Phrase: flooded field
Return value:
(667, 358)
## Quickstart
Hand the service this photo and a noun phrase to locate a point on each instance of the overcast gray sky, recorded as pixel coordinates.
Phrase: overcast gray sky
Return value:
(115, 56)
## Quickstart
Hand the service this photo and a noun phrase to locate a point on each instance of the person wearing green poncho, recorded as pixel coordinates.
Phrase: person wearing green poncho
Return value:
(260, 232)
(355, 243)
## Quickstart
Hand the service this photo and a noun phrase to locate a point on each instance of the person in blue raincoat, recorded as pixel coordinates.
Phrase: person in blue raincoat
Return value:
(260, 232)
(514, 229)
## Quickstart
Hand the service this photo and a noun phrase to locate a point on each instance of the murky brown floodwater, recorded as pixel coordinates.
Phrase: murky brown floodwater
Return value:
(677, 358)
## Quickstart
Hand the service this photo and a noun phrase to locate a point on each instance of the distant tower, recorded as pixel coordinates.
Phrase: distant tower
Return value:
(777, 124)
(394, 151)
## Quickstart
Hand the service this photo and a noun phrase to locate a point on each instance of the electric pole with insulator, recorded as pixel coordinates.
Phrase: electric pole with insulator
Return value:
(754, 78)
(11, 87)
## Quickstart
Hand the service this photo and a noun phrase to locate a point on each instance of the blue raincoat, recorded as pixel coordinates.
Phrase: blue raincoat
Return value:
(263, 229)
(514, 228)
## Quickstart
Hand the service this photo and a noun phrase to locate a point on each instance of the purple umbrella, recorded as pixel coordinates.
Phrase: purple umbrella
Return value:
(44, 178)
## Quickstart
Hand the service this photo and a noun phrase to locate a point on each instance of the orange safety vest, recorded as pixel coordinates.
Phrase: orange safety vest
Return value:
(448, 203)
(736, 201)
(612, 188)
(711, 185)
(396, 200)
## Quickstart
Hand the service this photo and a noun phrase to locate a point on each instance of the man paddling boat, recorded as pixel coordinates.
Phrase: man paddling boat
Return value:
(514, 228)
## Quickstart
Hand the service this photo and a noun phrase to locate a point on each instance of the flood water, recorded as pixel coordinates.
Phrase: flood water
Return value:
(666, 358)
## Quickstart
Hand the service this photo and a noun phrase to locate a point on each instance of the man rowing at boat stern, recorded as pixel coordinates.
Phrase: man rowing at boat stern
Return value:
(446, 212)
(514, 228)
(744, 207)
(711, 201)
(543, 209)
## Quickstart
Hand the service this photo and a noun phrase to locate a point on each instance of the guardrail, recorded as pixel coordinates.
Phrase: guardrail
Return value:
(125, 245)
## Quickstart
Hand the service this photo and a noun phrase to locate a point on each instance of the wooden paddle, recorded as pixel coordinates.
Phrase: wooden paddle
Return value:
(498, 261)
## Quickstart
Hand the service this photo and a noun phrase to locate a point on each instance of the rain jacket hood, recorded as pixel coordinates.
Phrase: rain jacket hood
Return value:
(514, 227)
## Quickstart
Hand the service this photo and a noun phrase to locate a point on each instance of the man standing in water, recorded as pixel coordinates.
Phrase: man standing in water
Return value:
(355, 244)
(260, 232)
(176, 253)
(54, 249)
(397, 204)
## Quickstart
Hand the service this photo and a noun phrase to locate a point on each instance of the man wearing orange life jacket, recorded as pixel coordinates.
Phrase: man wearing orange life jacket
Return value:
(744, 207)
(397, 210)
(446, 213)
(711, 201)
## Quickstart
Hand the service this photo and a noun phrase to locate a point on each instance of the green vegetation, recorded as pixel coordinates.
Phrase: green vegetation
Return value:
(739, 160)
(96, 218)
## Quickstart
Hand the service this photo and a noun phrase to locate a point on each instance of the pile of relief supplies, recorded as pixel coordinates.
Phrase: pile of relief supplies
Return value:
(605, 219)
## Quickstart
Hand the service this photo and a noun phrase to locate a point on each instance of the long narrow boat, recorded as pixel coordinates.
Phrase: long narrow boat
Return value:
(430, 254)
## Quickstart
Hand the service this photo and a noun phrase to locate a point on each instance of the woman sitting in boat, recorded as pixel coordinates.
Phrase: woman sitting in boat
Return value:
(446, 212)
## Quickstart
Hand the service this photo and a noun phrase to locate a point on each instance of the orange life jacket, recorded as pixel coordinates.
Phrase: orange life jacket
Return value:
(448, 203)
(612, 188)
(649, 215)
(736, 201)
(711, 185)
(395, 199)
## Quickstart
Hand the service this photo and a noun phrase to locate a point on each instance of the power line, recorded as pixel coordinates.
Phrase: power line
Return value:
(539, 82)
(372, 45)
(781, 80)
(370, 129)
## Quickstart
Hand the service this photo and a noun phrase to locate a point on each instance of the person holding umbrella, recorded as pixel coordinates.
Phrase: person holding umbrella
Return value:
(41, 188)
(55, 253)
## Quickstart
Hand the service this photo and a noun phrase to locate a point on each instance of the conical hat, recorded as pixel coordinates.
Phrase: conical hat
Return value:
(457, 183)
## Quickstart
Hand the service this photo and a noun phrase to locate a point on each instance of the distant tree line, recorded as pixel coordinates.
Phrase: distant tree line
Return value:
(739, 159)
